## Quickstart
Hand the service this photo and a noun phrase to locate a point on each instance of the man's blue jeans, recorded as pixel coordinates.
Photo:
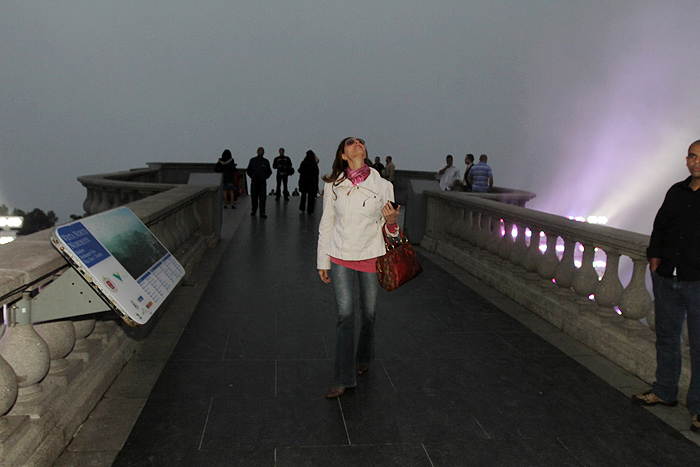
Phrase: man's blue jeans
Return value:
(343, 280)
(674, 300)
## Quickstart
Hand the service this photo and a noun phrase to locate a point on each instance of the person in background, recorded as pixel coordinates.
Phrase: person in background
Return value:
(308, 182)
(378, 166)
(469, 160)
(481, 176)
(674, 262)
(449, 174)
(283, 164)
(227, 167)
(259, 171)
(389, 169)
(357, 207)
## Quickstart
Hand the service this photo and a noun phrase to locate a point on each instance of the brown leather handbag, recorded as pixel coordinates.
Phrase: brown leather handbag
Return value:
(399, 265)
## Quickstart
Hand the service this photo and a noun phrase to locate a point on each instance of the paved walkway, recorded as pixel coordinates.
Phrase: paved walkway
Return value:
(463, 376)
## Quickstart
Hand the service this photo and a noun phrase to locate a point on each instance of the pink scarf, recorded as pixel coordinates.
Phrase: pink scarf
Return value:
(357, 176)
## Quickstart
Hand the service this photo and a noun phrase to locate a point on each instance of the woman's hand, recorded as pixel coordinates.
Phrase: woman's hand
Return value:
(323, 273)
(389, 213)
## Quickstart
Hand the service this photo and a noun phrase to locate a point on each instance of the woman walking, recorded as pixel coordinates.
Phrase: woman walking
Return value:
(357, 205)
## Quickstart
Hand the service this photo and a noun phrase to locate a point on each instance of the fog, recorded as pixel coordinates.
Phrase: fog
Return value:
(591, 105)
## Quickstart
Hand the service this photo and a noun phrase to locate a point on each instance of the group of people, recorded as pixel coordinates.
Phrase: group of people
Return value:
(386, 171)
(478, 178)
(359, 209)
(259, 170)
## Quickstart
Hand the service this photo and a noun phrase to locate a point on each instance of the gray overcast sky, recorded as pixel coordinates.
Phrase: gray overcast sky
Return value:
(590, 104)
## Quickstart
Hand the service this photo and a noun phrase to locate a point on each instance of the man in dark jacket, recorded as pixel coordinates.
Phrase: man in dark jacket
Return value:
(674, 261)
(259, 171)
(283, 164)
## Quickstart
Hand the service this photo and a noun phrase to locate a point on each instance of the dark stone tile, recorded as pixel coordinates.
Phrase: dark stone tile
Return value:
(531, 345)
(465, 345)
(274, 421)
(252, 346)
(404, 455)
(408, 418)
(194, 346)
(477, 322)
(640, 449)
(502, 453)
(169, 425)
(420, 376)
(171, 458)
(304, 378)
(184, 379)
(553, 412)
(396, 346)
(234, 457)
(306, 322)
(300, 346)
(562, 371)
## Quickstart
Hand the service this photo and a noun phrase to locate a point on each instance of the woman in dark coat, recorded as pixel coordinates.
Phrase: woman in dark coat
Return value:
(308, 182)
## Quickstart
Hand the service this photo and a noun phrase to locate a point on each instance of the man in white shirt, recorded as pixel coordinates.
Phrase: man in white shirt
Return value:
(449, 175)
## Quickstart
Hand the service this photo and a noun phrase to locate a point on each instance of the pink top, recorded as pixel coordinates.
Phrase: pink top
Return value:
(364, 265)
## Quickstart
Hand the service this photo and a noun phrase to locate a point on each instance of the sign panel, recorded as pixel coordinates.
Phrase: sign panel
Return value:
(122, 260)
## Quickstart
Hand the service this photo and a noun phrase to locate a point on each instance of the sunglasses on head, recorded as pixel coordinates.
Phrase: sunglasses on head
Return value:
(351, 141)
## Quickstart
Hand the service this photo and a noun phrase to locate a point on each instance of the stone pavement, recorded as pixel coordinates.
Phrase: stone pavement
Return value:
(463, 375)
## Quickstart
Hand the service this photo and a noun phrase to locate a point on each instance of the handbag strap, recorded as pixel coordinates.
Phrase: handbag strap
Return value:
(391, 244)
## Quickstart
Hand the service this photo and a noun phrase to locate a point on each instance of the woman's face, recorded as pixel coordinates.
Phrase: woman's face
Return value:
(355, 150)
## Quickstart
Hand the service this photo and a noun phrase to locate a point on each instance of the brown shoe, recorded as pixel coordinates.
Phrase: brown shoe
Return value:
(648, 399)
(695, 426)
(335, 392)
(362, 369)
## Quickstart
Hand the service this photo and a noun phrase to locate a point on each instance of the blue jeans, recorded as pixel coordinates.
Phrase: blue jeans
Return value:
(674, 301)
(343, 280)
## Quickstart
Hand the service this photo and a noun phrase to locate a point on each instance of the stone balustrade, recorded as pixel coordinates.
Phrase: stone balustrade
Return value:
(53, 374)
(606, 311)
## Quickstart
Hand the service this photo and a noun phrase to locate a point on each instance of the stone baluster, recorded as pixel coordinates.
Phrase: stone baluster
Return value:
(83, 325)
(465, 230)
(472, 219)
(586, 279)
(635, 301)
(566, 270)
(89, 199)
(549, 261)
(452, 228)
(182, 228)
(533, 254)
(28, 355)
(507, 242)
(96, 201)
(482, 236)
(517, 253)
(495, 238)
(60, 339)
(106, 202)
(609, 289)
(194, 211)
(8, 390)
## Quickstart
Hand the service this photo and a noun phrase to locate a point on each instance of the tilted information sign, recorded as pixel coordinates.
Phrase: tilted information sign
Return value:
(122, 260)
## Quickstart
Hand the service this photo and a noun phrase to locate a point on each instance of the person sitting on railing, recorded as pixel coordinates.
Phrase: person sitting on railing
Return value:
(481, 176)
(674, 261)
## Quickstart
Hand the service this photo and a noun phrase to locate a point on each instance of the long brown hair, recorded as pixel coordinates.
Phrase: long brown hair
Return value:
(339, 165)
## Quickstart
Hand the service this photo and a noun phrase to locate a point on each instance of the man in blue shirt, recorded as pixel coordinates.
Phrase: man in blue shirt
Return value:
(480, 176)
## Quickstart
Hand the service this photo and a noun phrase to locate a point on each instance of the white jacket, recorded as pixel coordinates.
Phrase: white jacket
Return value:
(352, 221)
